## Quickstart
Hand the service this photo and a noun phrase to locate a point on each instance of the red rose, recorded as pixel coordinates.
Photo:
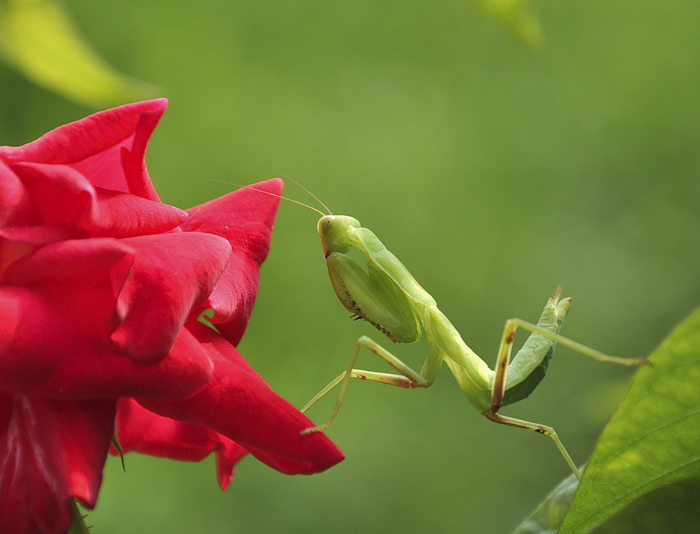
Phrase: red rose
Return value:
(101, 288)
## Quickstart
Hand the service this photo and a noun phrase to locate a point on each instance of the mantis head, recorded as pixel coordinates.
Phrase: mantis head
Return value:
(336, 232)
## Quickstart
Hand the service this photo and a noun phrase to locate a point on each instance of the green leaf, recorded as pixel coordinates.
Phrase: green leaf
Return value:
(519, 16)
(38, 39)
(546, 518)
(672, 508)
(644, 475)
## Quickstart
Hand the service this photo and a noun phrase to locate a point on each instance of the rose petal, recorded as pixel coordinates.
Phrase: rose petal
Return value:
(94, 146)
(61, 194)
(253, 209)
(51, 451)
(226, 459)
(250, 413)
(54, 343)
(83, 262)
(140, 430)
(172, 274)
(15, 207)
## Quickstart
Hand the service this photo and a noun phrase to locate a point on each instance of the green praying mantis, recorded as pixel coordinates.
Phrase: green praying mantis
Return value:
(385, 294)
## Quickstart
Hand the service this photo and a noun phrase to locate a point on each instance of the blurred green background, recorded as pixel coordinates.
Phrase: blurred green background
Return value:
(493, 171)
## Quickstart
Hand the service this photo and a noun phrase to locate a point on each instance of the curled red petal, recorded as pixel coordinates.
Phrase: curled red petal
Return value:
(15, 207)
(108, 147)
(140, 430)
(58, 192)
(240, 405)
(83, 262)
(37, 235)
(172, 275)
(227, 457)
(253, 209)
(133, 158)
(51, 451)
(61, 194)
(54, 342)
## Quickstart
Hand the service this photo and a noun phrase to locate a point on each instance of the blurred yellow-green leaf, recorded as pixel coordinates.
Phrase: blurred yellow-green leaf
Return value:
(519, 16)
(38, 38)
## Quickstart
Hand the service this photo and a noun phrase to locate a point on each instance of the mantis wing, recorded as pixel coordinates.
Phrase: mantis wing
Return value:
(374, 297)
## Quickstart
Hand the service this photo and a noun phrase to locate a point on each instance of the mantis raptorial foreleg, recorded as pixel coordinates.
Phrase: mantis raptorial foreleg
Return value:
(384, 293)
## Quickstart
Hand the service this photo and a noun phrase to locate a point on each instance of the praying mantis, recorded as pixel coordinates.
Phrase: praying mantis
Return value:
(385, 294)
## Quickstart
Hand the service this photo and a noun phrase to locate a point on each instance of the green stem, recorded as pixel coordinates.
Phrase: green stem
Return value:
(78, 525)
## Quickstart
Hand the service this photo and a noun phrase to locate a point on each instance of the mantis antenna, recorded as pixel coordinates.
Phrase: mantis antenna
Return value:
(322, 214)
(307, 192)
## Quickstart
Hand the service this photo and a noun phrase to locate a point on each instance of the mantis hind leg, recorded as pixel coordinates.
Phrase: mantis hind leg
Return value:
(537, 353)
(541, 429)
(408, 379)
(575, 345)
(498, 389)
